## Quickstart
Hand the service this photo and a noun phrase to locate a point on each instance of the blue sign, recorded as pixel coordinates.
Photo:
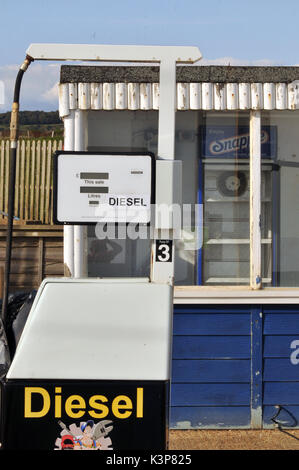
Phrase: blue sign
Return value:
(232, 142)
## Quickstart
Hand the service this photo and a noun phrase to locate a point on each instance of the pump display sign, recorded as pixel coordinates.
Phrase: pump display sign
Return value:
(91, 187)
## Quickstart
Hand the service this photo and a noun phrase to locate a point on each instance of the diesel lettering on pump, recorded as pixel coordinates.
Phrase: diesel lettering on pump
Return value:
(126, 201)
(76, 406)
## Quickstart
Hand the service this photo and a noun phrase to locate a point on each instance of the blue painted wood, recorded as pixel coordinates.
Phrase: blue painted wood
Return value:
(211, 309)
(219, 394)
(211, 368)
(281, 324)
(212, 324)
(288, 416)
(215, 417)
(281, 393)
(256, 367)
(281, 308)
(280, 370)
(211, 347)
(281, 376)
(210, 392)
(278, 345)
(202, 382)
(201, 371)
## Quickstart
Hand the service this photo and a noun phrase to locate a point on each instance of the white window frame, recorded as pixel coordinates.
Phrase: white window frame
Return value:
(255, 200)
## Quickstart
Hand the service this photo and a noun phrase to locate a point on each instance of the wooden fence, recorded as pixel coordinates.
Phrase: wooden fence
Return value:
(34, 181)
(35, 255)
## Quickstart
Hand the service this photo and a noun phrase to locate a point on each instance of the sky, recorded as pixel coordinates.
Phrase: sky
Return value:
(235, 32)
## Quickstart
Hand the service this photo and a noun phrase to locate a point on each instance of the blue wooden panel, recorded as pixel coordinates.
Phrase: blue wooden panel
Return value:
(288, 416)
(281, 377)
(209, 324)
(211, 309)
(216, 417)
(224, 394)
(211, 371)
(280, 370)
(209, 392)
(278, 346)
(281, 309)
(211, 347)
(284, 324)
(281, 393)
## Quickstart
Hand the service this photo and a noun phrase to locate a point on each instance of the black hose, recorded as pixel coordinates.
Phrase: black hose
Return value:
(16, 97)
(11, 189)
(11, 198)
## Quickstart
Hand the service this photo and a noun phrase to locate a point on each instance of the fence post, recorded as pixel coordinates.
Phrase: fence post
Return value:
(1, 281)
(40, 260)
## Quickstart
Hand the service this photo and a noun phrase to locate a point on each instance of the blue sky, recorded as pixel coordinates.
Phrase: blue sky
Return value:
(245, 32)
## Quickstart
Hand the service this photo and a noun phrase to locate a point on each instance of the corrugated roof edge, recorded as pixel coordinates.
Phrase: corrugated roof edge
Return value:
(187, 74)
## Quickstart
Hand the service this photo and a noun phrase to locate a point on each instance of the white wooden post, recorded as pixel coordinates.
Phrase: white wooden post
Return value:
(164, 271)
(80, 231)
(255, 200)
(68, 230)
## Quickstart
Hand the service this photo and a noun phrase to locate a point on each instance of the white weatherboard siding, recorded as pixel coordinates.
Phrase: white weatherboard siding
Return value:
(189, 96)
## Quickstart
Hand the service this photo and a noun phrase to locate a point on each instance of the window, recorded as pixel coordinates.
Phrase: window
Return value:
(214, 147)
(224, 193)
(282, 190)
(120, 256)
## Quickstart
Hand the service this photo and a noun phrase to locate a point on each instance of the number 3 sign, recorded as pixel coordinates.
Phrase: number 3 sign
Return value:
(164, 251)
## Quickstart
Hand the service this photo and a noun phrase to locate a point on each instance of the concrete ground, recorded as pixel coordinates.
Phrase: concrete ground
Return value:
(234, 440)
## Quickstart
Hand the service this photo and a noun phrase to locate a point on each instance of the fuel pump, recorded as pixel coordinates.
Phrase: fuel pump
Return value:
(92, 367)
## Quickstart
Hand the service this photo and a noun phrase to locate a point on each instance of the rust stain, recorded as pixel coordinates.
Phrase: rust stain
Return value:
(67, 272)
(184, 100)
(152, 262)
(219, 87)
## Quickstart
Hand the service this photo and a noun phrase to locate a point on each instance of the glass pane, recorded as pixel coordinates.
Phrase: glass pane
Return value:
(224, 192)
(117, 257)
(186, 149)
(120, 255)
(280, 211)
(133, 131)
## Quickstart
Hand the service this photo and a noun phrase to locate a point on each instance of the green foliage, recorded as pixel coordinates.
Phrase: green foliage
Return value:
(34, 124)
(32, 118)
